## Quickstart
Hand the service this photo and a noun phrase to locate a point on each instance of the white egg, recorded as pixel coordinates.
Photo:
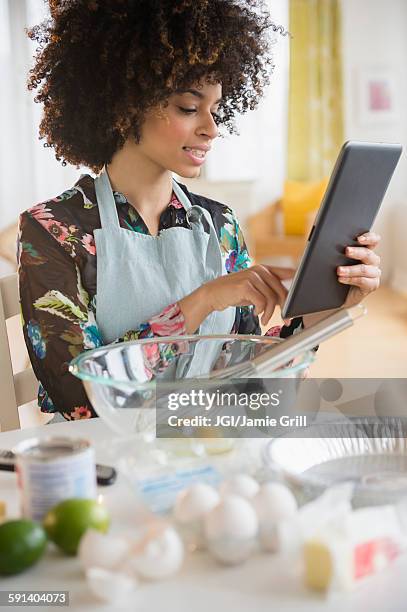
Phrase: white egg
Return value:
(190, 507)
(159, 554)
(231, 529)
(111, 587)
(273, 503)
(101, 550)
(240, 484)
(193, 502)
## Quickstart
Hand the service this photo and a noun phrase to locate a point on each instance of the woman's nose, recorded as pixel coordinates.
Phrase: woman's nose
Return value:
(210, 128)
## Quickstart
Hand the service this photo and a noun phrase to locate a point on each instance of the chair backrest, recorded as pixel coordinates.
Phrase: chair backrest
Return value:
(15, 389)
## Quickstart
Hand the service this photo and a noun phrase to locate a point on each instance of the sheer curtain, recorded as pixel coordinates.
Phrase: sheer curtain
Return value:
(29, 172)
(315, 132)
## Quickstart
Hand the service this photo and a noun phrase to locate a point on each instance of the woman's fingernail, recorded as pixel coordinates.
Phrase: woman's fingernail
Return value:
(362, 238)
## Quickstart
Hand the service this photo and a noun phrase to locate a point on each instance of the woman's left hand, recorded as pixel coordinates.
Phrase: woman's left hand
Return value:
(364, 277)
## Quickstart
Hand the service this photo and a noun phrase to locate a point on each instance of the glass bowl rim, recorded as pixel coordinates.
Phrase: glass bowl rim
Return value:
(307, 357)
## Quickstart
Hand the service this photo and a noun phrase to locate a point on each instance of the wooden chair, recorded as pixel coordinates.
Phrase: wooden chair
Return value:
(267, 237)
(8, 244)
(16, 389)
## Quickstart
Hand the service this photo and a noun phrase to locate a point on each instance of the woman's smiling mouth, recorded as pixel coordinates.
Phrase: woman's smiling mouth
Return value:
(196, 155)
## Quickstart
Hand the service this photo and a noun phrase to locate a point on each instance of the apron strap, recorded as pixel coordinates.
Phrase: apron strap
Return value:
(106, 202)
(181, 195)
(214, 255)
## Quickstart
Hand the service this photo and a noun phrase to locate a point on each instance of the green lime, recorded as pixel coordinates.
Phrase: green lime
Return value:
(22, 543)
(66, 523)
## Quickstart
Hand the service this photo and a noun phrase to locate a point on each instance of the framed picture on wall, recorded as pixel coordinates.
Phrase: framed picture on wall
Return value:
(377, 96)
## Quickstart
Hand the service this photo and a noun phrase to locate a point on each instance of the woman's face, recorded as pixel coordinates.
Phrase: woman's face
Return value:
(178, 137)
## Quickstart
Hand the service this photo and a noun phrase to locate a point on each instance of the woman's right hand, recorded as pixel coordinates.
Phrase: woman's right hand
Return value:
(259, 285)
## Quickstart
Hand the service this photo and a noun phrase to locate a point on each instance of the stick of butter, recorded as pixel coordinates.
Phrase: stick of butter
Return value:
(327, 562)
(365, 543)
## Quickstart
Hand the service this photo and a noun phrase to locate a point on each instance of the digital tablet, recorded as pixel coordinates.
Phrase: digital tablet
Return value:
(349, 207)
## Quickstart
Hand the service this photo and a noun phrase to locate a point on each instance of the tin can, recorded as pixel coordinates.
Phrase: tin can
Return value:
(52, 469)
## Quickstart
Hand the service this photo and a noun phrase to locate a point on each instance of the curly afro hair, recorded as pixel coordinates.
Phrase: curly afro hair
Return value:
(102, 64)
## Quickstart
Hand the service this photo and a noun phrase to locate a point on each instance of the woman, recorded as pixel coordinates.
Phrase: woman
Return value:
(136, 90)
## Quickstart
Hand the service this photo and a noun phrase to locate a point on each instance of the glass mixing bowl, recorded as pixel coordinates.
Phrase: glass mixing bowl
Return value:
(128, 382)
(125, 381)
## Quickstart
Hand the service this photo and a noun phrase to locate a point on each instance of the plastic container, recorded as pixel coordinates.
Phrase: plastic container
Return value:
(371, 452)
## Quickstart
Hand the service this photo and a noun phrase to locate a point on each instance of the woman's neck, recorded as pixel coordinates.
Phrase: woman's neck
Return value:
(147, 187)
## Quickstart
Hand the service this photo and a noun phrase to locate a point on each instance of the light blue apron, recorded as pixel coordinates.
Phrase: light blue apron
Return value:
(138, 275)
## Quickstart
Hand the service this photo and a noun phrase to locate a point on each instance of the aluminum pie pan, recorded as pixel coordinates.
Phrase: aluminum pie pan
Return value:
(370, 452)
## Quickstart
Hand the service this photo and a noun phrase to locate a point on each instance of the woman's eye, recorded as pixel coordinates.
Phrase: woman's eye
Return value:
(194, 110)
(187, 110)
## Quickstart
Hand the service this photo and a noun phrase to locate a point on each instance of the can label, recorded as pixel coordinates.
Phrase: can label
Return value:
(52, 470)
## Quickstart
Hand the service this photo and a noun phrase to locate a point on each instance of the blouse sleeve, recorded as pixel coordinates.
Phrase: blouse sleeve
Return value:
(58, 319)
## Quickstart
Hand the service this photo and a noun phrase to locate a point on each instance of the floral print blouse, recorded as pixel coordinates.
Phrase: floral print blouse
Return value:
(57, 279)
